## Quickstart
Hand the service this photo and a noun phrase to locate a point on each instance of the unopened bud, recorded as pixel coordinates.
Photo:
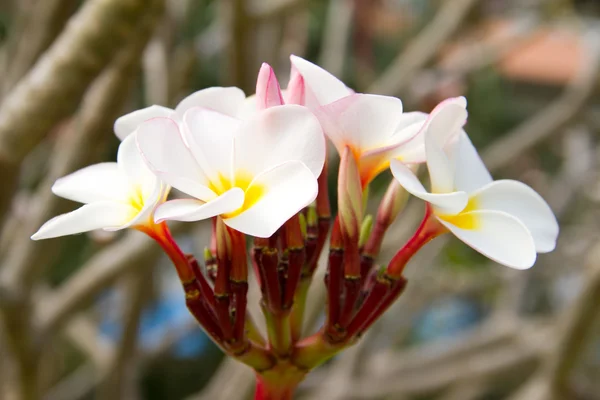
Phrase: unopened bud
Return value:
(365, 230)
(350, 205)
(392, 203)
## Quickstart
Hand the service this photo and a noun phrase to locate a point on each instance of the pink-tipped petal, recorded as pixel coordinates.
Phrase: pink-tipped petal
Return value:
(268, 92)
(362, 122)
(324, 88)
(127, 124)
(226, 100)
(277, 135)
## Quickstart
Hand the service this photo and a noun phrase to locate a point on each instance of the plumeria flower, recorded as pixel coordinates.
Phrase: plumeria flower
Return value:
(504, 220)
(254, 173)
(115, 196)
(227, 100)
(374, 127)
(376, 130)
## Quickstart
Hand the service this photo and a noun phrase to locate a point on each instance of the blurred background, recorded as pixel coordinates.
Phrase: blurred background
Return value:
(102, 315)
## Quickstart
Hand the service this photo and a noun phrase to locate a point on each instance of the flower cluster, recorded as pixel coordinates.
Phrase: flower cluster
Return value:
(258, 165)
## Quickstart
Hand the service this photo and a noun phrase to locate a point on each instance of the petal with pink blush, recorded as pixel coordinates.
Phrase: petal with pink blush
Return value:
(323, 86)
(127, 124)
(226, 100)
(277, 135)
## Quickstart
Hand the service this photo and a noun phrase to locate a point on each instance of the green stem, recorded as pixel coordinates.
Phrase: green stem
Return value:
(278, 383)
(297, 314)
(314, 350)
(278, 331)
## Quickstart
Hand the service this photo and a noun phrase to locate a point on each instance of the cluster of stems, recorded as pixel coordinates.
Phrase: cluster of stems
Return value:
(358, 291)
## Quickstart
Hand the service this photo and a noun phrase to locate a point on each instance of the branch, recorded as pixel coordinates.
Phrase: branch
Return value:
(101, 105)
(423, 48)
(335, 36)
(133, 251)
(44, 23)
(54, 87)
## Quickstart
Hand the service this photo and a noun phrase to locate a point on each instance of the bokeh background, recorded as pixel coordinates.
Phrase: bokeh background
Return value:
(102, 316)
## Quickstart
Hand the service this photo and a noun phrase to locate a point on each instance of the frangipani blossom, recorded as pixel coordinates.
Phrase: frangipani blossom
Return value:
(376, 130)
(504, 220)
(226, 100)
(115, 196)
(254, 173)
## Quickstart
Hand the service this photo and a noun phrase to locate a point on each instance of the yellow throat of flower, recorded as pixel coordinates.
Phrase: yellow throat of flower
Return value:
(242, 180)
(464, 219)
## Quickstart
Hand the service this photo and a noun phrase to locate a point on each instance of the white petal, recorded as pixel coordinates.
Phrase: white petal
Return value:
(498, 236)
(226, 100)
(288, 188)
(134, 167)
(126, 124)
(524, 203)
(470, 172)
(249, 108)
(165, 152)
(446, 120)
(98, 182)
(444, 203)
(441, 171)
(209, 135)
(277, 135)
(324, 87)
(362, 121)
(194, 210)
(406, 145)
(103, 214)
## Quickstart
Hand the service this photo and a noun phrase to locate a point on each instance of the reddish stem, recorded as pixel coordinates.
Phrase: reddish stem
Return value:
(375, 297)
(240, 291)
(352, 290)
(428, 230)
(395, 291)
(334, 289)
(296, 258)
(269, 261)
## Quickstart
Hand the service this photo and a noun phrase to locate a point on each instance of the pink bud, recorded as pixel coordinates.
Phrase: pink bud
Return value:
(268, 93)
(296, 89)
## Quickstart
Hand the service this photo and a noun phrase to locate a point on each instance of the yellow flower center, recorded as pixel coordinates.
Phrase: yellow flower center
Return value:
(242, 180)
(464, 220)
(136, 198)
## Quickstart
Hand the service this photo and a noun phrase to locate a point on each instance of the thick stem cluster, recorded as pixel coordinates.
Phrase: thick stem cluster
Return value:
(358, 292)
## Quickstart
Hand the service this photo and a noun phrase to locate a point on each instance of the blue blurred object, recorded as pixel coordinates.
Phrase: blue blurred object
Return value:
(446, 318)
(168, 315)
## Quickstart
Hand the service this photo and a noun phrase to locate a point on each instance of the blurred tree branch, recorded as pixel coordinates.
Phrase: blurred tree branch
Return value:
(53, 88)
(423, 47)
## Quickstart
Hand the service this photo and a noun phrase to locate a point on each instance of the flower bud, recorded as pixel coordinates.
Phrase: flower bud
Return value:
(349, 197)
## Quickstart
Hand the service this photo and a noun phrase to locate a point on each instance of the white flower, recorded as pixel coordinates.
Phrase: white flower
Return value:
(116, 195)
(504, 220)
(254, 173)
(226, 100)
